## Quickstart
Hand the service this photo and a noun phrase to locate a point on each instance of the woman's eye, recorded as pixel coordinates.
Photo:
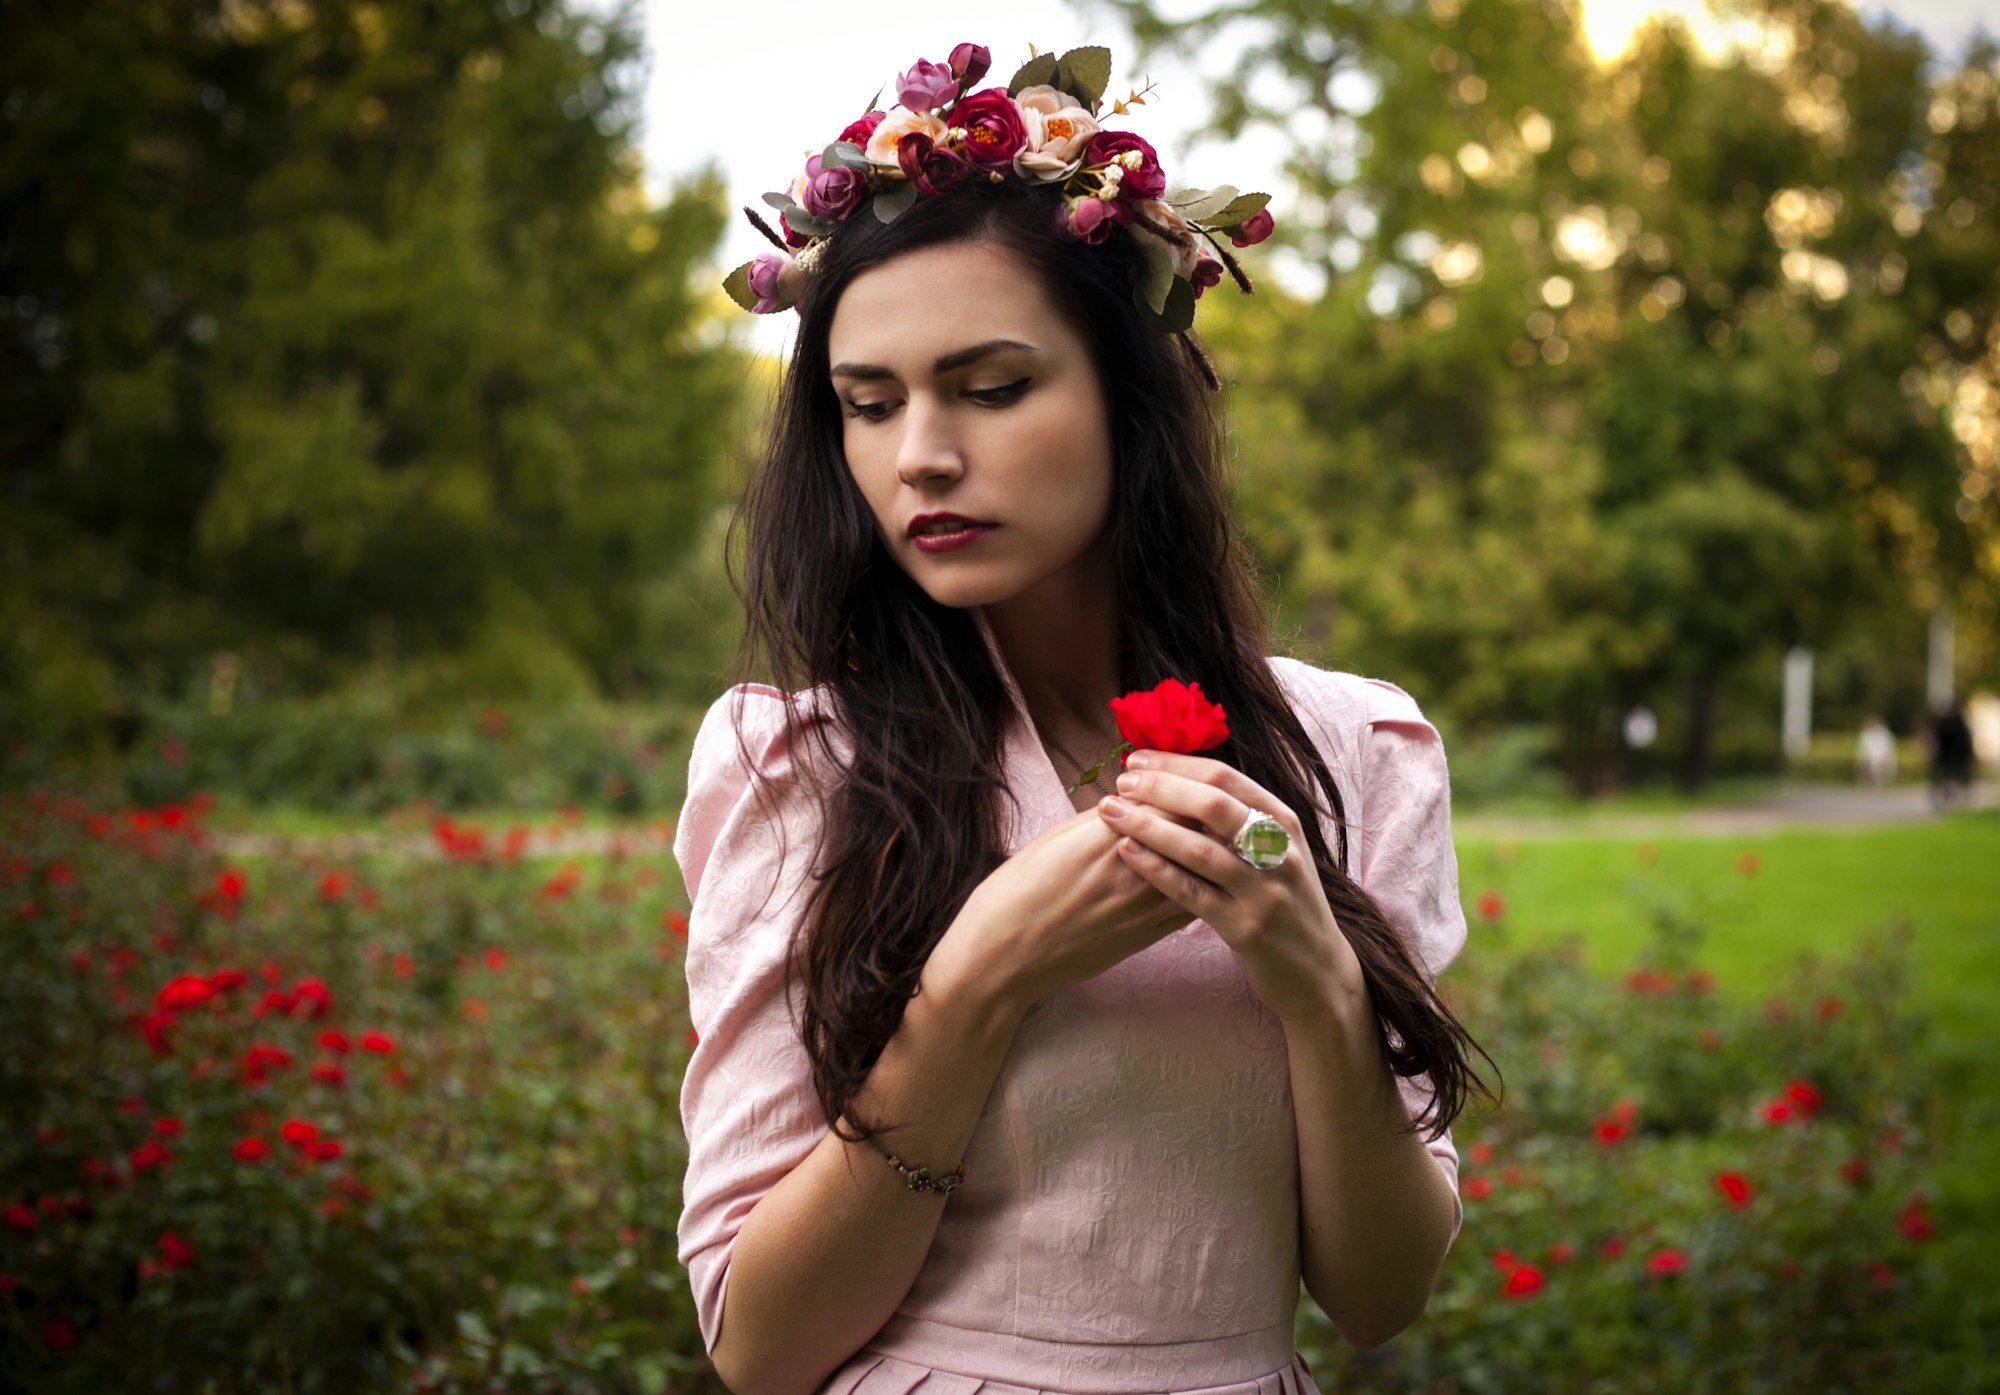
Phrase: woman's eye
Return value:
(996, 396)
(868, 411)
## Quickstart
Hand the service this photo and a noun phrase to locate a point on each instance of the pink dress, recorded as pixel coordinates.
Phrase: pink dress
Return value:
(1129, 1217)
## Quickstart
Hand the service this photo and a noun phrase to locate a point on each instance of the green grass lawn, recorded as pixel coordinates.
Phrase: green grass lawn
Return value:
(1812, 890)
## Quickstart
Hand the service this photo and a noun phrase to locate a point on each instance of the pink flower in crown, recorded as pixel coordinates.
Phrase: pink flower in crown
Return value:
(1057, 132)
(1254, 229)
(861, 128)
(764, 273)
(891, 129)
(970, 62)
(1207, 272)
(926, 85)
(994, 131)
(1143, 178)
(831, 193)
(1091, 220)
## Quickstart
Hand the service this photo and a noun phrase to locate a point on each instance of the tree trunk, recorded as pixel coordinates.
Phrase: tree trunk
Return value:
(1697, 761)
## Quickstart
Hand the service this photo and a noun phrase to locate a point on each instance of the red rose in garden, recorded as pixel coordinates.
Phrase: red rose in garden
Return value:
(251, 1149)
(1830, 1008)
(1477, 1189)
(377, 1043)
(1504, 1260)
(1746, 863)
(1482, 1152)
(1883, 1273)
(332, 1041)
(1855, 1170)
(59, 1334)
(675, 922)
(298, 1132)
(313, 996)
(1733, 1188)
(328, 1073)
(183, 994)
(333, 886)
(1803, 1096)
(1613, 1247)
(175, 1252)
(19, 1217)
(1491, 907)
(1525, 1280)
(151, 1153)
(1914, 1221)
(1171, 716)
(1561, 1253)
(1666, 1262)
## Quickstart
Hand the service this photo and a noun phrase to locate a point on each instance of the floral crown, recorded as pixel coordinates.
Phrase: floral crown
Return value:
(1042, 129)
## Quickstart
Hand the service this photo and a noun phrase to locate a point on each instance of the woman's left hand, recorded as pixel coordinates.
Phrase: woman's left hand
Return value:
(1181, 814)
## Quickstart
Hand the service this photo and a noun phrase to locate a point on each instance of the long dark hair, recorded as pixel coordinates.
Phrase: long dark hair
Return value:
(908, 824)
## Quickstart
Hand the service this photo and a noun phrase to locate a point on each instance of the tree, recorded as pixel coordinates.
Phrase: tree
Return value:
(344, 334)
(1611, 382)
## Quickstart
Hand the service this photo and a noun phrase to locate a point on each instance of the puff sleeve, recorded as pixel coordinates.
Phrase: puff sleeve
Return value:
(1406, 860)
(747, 1104)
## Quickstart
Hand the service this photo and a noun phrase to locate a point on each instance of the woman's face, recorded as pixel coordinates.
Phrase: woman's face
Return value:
(962, 390)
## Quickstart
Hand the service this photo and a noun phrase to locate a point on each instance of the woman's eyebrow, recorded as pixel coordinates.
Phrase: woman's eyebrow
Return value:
(958, 358)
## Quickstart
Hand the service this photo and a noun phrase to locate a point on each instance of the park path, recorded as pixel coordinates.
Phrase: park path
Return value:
(1799, 806)
(1807, 806)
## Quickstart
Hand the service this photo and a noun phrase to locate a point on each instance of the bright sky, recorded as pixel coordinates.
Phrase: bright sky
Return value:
(757, 85)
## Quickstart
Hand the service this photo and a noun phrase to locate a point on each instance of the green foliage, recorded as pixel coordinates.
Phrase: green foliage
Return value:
(358, 343)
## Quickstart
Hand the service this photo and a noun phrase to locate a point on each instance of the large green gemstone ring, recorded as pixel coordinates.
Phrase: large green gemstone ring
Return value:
(1262, 841)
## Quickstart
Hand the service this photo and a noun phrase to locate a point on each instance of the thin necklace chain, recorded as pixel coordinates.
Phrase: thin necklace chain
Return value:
(1072, 759)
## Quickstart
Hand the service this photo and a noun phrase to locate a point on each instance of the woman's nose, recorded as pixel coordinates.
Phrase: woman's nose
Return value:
(930, 444)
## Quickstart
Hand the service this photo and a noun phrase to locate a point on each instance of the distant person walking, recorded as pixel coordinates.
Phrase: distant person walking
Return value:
(1875, 753)
(1951, 757)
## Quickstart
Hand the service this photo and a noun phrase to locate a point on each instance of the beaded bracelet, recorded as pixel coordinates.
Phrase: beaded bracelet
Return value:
(920, 1179)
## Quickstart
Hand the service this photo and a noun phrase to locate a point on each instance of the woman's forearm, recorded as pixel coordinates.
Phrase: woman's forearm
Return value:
(1375, 1211)
(823, 1259)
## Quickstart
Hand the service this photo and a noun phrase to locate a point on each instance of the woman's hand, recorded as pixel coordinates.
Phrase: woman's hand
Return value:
(1062, 909)
(1178, 818)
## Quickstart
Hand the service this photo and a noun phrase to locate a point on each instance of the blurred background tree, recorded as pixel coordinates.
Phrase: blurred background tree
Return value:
(343, 347)
(1628, 375)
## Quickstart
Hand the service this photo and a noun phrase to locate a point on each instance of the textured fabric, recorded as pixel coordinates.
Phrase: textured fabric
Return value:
(1129, 1216)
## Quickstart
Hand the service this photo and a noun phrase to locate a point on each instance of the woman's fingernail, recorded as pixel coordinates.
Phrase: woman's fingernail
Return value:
(1136, 761)
(1113, 808)
(1128, 782)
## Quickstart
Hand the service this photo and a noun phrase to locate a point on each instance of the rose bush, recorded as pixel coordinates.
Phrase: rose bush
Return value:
(410, 1124)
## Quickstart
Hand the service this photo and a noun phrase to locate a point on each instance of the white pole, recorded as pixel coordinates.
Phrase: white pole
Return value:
(1798, 700)
(1942, 677)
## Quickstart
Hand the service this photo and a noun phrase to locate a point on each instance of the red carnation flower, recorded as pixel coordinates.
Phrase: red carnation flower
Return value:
(1171, 716)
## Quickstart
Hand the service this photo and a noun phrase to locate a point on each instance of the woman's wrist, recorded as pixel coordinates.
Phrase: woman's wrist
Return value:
(969, 985)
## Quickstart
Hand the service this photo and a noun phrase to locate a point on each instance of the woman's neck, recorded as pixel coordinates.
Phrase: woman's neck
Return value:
(1065, 662)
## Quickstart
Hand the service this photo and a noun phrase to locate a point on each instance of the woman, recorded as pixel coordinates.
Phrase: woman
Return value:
(1005, 1081)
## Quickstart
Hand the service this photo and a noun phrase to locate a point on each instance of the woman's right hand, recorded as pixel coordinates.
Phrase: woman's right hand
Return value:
(1062, 909)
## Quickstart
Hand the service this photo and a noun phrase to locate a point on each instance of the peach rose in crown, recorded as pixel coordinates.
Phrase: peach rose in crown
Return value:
(899, 123)
(1059, 132)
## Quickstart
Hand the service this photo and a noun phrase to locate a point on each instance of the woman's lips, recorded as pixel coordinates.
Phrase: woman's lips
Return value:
(947, 542)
